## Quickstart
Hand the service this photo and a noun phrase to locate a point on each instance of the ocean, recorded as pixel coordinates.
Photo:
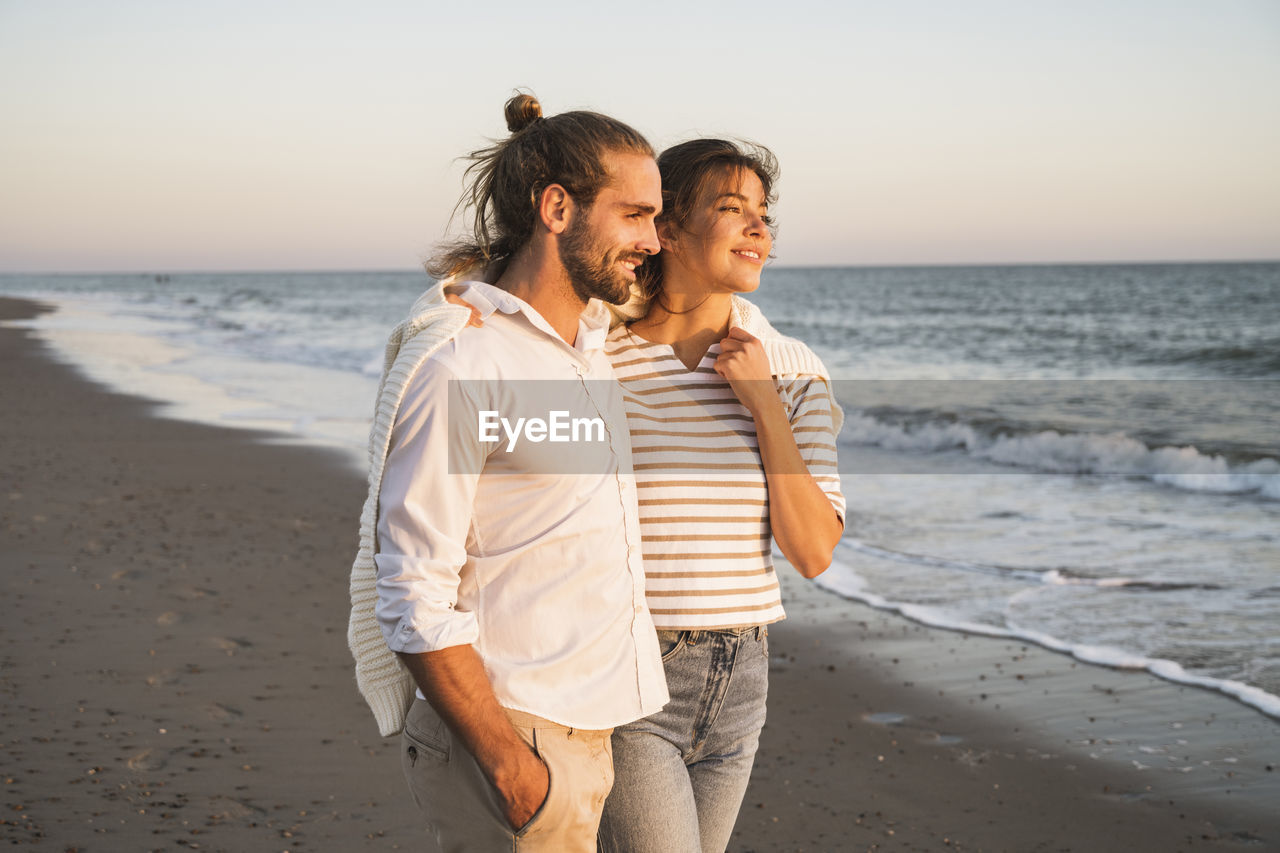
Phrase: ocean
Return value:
(1084, 457)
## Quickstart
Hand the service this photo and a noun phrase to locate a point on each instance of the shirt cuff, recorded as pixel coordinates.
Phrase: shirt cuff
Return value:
(457, 628)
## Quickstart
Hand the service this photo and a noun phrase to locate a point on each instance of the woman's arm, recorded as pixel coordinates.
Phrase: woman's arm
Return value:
(803, 521)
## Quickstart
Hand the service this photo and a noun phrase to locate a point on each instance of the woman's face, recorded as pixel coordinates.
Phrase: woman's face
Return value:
(724, 245)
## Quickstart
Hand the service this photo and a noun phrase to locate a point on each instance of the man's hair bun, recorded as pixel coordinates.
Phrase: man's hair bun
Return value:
(522, 111)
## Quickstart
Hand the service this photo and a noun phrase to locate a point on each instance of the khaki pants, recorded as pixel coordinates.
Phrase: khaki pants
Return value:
(462, 808)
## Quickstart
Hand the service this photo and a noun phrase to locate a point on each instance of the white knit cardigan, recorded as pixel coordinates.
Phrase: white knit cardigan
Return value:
(382, 679)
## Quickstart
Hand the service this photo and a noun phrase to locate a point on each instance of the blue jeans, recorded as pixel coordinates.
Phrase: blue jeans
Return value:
(680, 774)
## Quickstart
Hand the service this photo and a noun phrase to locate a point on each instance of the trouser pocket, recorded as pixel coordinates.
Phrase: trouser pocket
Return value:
(425, 746)
(580, 767)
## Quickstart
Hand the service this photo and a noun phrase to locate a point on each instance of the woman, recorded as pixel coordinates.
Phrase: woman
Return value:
(733, 437)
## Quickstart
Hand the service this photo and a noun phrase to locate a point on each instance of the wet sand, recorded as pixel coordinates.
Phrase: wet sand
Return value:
(175, 675)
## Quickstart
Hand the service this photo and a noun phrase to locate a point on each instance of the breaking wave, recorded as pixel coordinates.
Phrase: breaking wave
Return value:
(1187, 468)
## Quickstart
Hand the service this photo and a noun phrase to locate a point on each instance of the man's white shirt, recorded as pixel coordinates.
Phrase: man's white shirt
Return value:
(541, 572)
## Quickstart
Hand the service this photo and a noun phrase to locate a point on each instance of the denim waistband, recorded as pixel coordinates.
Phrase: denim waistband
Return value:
(692, 635)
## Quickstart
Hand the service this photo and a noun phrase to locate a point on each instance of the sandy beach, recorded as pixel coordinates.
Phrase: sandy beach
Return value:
(175, 675)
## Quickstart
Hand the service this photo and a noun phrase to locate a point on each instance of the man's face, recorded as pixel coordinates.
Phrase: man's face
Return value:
(606, 241)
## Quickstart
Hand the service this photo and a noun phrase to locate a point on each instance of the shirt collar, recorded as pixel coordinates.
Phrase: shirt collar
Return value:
(593, 325)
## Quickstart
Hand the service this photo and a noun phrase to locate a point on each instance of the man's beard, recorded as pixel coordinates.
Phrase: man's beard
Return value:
(595, 272)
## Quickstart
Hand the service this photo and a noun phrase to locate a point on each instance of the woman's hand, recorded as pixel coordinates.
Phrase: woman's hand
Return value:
(455, 299)
(743, 362)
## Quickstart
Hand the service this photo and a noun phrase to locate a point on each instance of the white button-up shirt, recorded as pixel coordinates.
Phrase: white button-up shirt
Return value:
(538, 568)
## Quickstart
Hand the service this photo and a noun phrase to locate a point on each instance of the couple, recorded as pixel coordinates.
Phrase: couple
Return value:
(589, 650)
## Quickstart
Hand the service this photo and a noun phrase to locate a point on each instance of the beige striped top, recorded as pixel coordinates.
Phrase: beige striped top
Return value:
(704, 509)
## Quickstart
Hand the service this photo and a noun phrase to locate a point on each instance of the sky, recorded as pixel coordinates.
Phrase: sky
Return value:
(226, 135)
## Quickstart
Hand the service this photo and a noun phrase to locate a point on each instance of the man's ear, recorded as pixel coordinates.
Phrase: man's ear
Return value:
(556, 208)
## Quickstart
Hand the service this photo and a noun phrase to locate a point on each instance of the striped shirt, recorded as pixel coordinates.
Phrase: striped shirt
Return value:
(704, 507)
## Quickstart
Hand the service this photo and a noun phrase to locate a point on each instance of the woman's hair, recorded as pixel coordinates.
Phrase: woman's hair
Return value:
(505, 181)
(688, 169)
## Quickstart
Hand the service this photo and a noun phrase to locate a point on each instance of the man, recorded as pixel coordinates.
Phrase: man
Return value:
(513, 594)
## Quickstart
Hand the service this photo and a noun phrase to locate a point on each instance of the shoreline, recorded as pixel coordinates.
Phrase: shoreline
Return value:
(1058, 754)
(176, 670)
(177, 609)
(1251, 697)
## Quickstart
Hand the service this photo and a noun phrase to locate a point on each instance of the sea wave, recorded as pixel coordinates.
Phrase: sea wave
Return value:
(1058, 576)
(844, 581)
(1187, 468)
(1260, 359)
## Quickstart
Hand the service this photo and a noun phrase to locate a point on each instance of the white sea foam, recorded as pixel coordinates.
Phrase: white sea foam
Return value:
(927, 438)
(1051, 577)
(162, 361)
(843, 580)
(1185, 468)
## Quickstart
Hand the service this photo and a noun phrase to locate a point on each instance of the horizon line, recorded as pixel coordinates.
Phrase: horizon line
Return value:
(782, 267)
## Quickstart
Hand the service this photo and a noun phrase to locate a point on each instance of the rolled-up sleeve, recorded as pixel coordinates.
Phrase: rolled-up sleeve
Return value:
(424, 515)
